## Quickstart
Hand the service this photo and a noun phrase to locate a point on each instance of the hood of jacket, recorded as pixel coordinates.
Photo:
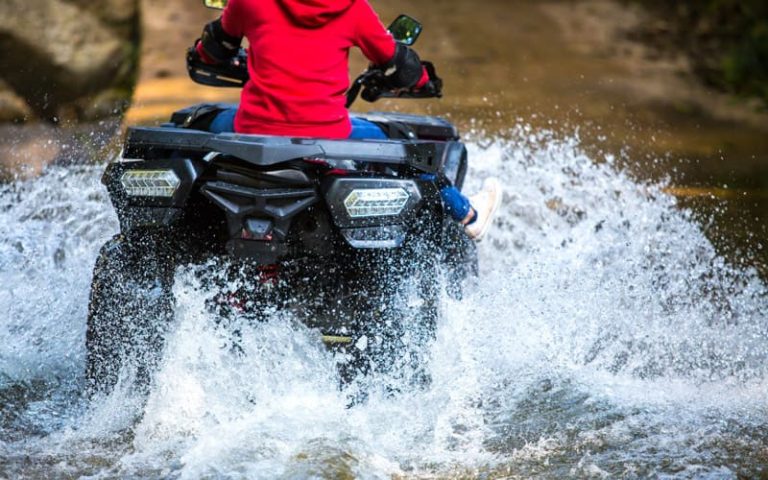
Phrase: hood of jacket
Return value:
(315, 13)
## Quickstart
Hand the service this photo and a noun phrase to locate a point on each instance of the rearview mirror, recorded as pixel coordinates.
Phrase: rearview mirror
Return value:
(405, 29)
(217, 4)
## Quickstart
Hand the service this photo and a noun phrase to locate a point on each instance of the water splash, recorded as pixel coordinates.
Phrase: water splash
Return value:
(605, 336)
(52, 229)
(624, 281)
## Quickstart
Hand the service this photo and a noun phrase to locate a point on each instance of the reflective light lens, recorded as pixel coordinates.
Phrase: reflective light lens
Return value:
(150, 183)
(391, 236)
(376, 202)
(336, 340)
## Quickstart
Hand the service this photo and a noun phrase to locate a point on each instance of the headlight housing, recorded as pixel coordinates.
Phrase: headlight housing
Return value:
(376, 202)
(150, 183)
(368, 202)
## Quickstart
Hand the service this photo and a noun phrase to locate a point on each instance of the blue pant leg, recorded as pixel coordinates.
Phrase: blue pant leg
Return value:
(363, 129)
(224, 121)
(456, 204)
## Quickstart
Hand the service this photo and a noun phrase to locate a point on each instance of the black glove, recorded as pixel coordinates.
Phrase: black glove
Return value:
(217, 44)
(231, 73)
(404, 70)
(434, 87)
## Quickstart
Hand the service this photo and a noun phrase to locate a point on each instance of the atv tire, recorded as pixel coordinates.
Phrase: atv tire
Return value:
(397, 333)
(131, 307)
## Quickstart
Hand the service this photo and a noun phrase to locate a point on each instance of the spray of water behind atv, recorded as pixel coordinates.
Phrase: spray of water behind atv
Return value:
(396, 316)
(604, 337)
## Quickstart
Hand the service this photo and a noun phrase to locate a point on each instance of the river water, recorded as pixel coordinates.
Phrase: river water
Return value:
(605, 337)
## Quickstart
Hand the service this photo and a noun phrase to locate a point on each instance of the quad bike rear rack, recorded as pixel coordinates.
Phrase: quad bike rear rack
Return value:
(264, 151)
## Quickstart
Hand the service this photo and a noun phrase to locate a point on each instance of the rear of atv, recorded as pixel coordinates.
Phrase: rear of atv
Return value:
(297, 215)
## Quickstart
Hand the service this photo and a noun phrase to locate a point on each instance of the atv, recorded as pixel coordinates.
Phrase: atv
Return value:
(341, 232)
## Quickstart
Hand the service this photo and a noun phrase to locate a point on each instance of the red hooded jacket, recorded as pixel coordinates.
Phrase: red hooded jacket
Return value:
(298, 62)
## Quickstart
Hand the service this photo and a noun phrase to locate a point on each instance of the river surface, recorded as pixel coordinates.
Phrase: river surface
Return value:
(605, 337)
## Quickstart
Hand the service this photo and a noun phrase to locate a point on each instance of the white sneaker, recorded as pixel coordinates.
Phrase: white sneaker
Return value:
(485, 203)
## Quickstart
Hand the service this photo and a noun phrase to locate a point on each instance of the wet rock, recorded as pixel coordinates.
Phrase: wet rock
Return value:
(67, 72)
(68, 59)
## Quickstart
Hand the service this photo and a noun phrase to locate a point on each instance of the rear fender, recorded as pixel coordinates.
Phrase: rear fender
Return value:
(454, 163)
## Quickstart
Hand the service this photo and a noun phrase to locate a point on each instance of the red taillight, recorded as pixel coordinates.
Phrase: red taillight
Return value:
(337, 171)
(232, 301)
(269, 273)
(245, 234)
(317, 161)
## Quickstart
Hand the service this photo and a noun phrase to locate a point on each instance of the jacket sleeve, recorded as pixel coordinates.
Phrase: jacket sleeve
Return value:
(231, 18)
(371, 36)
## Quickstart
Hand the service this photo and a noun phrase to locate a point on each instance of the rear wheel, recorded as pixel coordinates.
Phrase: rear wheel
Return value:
(460, 259)
(130, 309)
(397, 318)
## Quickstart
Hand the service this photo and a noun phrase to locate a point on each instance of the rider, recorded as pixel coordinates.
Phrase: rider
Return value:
(298, 67)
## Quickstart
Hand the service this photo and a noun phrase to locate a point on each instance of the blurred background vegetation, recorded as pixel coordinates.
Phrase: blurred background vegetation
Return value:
(727, 40)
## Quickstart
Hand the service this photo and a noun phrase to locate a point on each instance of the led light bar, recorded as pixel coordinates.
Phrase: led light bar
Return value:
(150, 183)
(376, 202)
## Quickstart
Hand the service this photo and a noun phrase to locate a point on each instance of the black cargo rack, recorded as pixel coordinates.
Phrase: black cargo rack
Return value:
(157, 142)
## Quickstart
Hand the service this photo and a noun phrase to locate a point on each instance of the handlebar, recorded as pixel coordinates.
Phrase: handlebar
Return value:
(371, 85)
(231, 74)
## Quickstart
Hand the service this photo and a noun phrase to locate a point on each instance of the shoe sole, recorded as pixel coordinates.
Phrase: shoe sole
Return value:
(496, 205)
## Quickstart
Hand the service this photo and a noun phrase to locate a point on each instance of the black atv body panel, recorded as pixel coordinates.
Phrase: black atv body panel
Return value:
(271, 199)
(266, 151)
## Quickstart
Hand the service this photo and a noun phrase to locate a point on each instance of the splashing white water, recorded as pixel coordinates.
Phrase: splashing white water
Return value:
(603, 336)
(52, 229)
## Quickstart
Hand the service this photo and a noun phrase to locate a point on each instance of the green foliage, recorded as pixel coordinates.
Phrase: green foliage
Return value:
(727, 41)
(745, 65)
(745, 33)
